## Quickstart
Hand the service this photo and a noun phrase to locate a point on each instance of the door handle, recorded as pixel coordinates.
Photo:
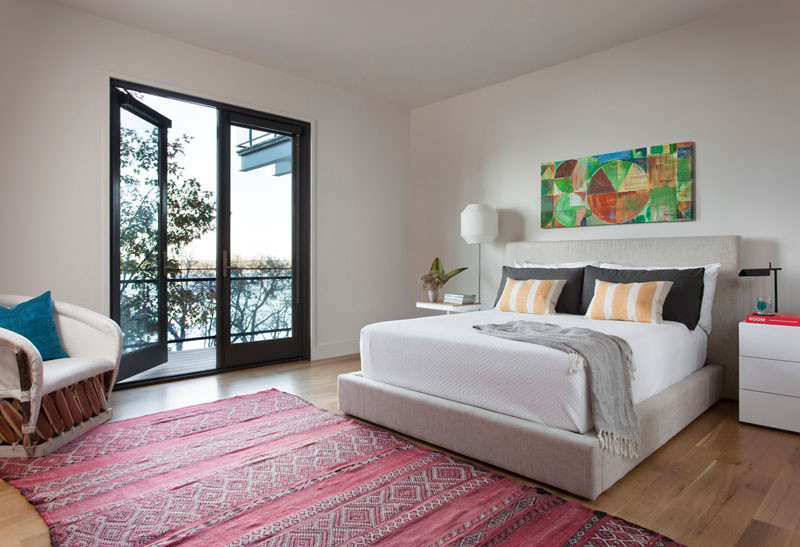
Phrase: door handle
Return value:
(225, 264)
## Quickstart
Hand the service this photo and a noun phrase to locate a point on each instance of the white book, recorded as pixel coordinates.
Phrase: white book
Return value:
(459, 298)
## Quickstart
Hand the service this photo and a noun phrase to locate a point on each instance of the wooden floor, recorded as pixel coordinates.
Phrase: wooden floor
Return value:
(718, 482)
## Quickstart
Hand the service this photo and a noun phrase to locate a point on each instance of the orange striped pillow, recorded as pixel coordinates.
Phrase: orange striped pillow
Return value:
(641, 302)
(538, 296)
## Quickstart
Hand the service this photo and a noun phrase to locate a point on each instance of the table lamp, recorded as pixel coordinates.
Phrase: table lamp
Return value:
(479, 225)
(764, 272)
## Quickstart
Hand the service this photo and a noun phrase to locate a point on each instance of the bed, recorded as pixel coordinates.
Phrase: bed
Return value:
(510, 404)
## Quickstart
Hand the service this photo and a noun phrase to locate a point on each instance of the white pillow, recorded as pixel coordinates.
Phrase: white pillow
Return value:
(709, 286)
(552, 266)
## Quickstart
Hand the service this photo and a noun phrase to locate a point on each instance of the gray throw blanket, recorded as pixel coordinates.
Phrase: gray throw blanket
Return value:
(611, 368)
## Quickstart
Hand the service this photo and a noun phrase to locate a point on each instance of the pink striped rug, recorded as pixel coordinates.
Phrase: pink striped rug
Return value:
(272, 469)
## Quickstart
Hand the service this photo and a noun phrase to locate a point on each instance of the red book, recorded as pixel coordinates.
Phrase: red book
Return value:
(786, 319)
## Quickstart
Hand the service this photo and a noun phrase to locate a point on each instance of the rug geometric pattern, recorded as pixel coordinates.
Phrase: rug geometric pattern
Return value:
(271, 469)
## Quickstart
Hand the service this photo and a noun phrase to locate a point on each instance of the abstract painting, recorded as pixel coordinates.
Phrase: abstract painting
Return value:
(654, 184)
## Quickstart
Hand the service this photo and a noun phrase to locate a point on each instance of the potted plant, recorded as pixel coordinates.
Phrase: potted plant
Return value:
(436, 278)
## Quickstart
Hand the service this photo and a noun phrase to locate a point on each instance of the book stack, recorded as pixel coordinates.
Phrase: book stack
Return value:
(459, 298)
(787, 319)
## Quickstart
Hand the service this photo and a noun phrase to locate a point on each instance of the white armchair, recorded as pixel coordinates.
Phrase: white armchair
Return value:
(44, 405)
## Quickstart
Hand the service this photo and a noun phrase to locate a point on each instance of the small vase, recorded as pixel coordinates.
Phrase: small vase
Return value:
(433, 295)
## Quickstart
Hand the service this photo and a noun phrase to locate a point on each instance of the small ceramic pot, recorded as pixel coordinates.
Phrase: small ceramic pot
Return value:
(433, 295)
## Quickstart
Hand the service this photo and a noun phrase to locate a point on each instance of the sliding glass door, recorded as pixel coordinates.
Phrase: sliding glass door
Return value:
(212, 272)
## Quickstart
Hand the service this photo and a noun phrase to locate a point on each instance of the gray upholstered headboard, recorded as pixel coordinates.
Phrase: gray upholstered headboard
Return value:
(668, 251)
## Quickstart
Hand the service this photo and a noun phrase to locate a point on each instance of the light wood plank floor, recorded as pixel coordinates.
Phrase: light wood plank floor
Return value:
(718, 482)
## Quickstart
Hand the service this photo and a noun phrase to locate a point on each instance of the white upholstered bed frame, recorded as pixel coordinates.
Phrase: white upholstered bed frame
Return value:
(571, 461)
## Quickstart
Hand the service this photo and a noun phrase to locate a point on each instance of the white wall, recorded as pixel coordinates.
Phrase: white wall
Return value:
(55, 64)
(730, 83)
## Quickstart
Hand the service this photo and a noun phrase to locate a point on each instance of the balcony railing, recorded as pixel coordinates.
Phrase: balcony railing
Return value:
(262, 299)
(256, 139)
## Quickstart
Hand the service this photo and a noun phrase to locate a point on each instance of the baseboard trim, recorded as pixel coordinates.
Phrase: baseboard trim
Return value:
(334, 349)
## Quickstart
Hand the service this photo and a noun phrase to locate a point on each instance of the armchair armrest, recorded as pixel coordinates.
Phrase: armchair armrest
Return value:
(85, 333)
(21, 374)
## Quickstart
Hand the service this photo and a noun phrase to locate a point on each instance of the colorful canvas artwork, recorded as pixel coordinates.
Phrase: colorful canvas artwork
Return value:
(654, 184)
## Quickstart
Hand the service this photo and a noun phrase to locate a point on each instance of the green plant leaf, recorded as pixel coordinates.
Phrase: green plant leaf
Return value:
(437, 267)
(452, 274)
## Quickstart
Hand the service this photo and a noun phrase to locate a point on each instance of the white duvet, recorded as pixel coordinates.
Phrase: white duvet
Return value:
(444, 356)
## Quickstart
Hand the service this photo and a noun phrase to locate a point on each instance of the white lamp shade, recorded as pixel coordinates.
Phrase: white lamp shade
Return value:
(478, 223)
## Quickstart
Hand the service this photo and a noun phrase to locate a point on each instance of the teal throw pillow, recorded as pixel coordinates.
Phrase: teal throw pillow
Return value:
(33, 319)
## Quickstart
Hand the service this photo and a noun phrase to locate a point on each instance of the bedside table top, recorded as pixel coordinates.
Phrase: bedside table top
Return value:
(769, 342)
(441, 306)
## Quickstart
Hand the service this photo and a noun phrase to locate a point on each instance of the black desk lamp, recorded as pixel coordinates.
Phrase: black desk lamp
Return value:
(764, 272)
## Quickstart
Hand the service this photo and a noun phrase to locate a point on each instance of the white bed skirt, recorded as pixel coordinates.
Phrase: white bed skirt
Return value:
(570, 461)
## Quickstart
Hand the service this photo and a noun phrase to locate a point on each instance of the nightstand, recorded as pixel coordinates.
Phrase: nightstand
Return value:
(449, 308)
(769, 375)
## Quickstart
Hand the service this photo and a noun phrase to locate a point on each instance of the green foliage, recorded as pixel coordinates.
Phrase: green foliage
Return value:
(192, 214)
(263, 304)
(436, 277)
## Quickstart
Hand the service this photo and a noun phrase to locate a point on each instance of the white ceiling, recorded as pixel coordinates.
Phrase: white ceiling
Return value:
(412, 52)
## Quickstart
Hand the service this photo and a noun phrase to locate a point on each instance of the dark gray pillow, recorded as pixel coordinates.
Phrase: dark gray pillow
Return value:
(683, 300)
(570, 299)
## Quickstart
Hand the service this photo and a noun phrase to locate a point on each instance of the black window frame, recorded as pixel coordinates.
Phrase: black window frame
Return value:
(301, 130)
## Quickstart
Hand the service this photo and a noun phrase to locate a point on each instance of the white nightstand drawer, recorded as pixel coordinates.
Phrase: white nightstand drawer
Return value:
(769, 341)
(781, 377)
(770, 410)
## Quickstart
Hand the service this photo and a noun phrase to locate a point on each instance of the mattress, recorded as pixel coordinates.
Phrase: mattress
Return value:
(445, 357)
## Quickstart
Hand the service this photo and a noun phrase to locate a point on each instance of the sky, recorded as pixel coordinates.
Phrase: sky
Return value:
(261, 204)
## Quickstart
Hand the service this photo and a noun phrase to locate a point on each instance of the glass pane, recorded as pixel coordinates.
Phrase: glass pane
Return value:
(191, 224)
(261, 308)
(139, 314)
(138, 245)
(261, 235)
(191, 236)
(191, 312)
